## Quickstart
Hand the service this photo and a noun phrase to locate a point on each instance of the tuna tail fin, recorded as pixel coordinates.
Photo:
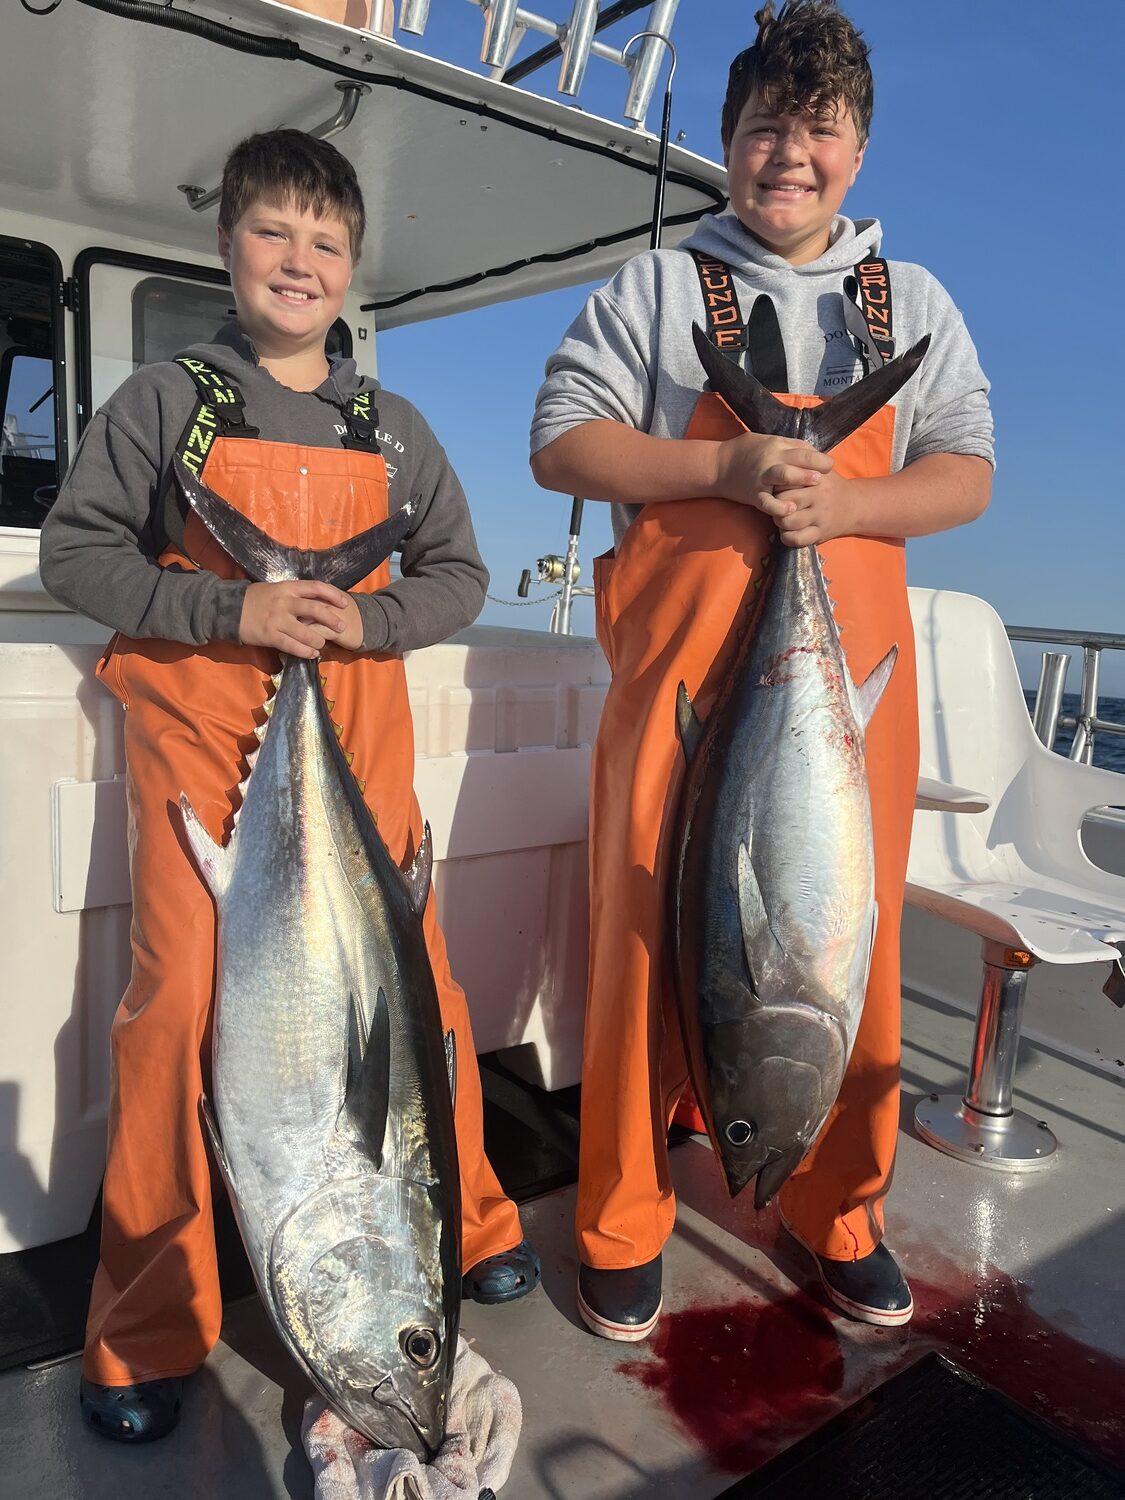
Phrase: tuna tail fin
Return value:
(267, 561)
(871, 690)
(823, 426)
(216, 864)
(367, 1081)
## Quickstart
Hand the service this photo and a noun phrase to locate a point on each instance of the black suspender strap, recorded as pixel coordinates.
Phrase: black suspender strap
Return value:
(724, 326)
(219, 412)
(731, 335)
(870, 283)
(361, 417)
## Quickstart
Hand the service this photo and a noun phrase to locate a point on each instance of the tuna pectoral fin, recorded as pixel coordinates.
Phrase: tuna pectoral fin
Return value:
(269, 562)
(867, 696)
(367, 1084)
(751, 909)
(687, 722)
(216, 864)
(418, 876)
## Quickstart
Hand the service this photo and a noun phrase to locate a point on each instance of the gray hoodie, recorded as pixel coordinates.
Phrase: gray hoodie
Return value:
(628, 356)
(100, 542)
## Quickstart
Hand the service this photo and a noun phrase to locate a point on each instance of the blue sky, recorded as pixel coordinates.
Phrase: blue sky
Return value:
(995, 159)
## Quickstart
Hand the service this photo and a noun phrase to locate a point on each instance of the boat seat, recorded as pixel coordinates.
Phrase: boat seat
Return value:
(996, 849)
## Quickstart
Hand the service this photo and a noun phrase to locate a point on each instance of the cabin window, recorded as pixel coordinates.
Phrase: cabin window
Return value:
(31, 432)
(137, 309)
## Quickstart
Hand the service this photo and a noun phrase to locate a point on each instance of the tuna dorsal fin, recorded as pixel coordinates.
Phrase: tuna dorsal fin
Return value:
(868, 695)
(418, 876)
(267, 561)
(822, 427)
(368, 1080)
(451, 1063)
(216, 864)
(687, 722)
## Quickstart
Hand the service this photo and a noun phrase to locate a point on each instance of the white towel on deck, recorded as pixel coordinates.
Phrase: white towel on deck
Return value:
(485, 1417)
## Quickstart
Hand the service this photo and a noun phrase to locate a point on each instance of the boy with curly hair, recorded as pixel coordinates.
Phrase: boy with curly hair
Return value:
(782, 282)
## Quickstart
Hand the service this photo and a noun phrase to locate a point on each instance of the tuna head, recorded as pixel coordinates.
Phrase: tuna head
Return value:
(773, 1076)
(360, 1301)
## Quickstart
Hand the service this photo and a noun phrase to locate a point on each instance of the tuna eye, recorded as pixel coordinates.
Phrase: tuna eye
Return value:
(420, 1346)
(740, 1132)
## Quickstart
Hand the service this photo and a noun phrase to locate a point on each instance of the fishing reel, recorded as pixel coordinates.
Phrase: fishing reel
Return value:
(563, 571)
(550, 569)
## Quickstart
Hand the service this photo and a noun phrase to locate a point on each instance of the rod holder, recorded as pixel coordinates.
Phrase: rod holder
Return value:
(1048, 699)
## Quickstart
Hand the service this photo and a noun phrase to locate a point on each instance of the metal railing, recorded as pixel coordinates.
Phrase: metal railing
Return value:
(1048, 716)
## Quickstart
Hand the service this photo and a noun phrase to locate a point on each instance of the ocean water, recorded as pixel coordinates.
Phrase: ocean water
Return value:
(1109, 749)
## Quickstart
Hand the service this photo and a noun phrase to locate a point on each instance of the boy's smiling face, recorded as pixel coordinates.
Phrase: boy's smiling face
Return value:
(290, 270)
(788, 175)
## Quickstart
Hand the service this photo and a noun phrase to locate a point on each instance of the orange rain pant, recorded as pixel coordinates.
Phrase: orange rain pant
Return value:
(155, 1310)
(666, 607)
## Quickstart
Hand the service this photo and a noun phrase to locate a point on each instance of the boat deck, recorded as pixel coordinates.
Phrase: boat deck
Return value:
(1016, 1279)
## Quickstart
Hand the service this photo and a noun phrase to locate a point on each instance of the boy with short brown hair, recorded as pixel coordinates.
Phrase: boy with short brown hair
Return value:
(786, 284)
(292, 439)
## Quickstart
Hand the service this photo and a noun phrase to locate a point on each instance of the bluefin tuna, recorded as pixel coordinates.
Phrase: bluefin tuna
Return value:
(331, 1107)
(773, 885)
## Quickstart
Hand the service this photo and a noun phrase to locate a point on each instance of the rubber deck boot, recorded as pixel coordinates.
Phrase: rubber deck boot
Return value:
(621, 1305)
(871, 1289)
(504, 1277)
(138, 1413)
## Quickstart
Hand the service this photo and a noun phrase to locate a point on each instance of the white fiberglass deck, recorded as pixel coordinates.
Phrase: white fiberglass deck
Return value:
(1017, 1279)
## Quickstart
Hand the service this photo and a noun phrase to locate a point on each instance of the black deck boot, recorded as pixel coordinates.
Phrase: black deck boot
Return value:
(622, 1305)
(871, 1289)
(138, 1413)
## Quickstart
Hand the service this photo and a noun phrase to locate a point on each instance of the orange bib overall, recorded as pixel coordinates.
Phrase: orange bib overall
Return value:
(190, 716)
(666, 607)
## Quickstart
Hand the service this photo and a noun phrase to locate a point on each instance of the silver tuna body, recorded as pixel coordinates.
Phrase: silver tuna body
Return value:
(331, 1105)
(773, 889)
(775, 884)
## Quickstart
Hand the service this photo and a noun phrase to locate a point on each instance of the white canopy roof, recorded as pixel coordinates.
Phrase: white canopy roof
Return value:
(476, 191)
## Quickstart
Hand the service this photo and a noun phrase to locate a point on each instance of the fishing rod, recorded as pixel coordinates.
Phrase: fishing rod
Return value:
(565, 570)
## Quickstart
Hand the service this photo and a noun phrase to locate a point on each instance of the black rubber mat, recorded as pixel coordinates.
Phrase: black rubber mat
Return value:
(933, 1433)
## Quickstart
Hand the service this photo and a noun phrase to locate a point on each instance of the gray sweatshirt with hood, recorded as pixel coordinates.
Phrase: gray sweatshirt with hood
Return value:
(628, 357)
(114, 516)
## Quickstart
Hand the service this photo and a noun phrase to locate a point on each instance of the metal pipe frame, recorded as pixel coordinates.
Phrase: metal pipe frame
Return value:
(200, 198)
(981, 1126)
(1086, 723)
